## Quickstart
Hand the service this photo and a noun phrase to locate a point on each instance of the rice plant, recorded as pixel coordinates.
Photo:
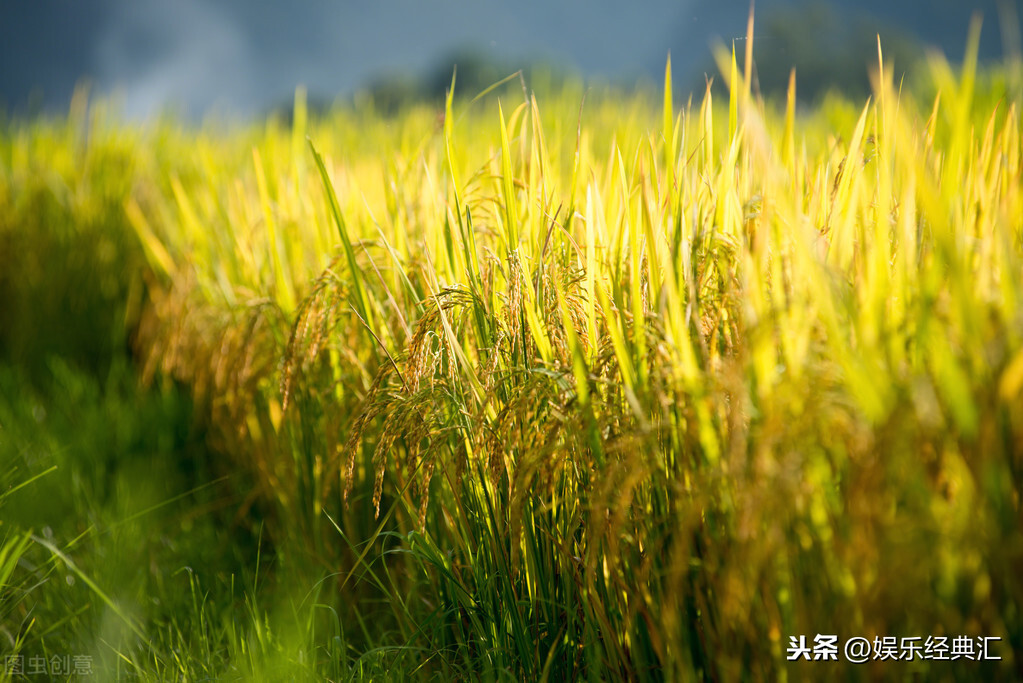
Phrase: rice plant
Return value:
(560, 386)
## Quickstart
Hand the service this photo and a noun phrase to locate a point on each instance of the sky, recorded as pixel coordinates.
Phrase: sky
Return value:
(244, 56)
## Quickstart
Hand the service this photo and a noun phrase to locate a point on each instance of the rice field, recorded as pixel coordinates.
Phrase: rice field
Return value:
(524, 385)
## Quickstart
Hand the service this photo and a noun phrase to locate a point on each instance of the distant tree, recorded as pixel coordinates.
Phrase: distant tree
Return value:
(830, 50)
(833, 48)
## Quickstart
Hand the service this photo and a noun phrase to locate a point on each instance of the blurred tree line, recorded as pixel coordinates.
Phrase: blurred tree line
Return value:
(831, 44)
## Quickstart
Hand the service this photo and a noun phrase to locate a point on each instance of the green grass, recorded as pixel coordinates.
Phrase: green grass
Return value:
(530, 388)
(121, 551)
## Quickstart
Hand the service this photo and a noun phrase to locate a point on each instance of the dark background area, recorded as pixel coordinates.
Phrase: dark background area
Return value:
(242, 57)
